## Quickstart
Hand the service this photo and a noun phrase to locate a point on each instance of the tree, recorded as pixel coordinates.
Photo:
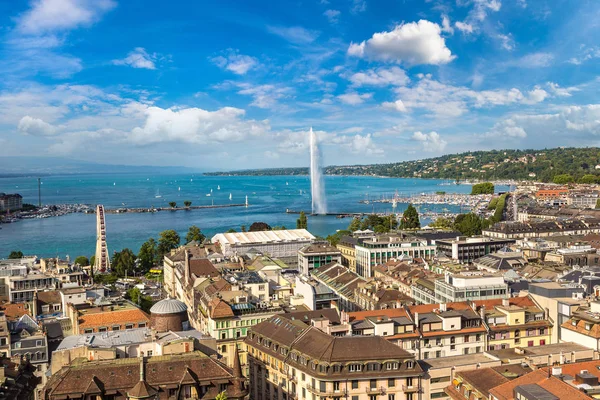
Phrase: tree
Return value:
(187, 203)
(136, 297)
(336, 237)
(167, 241)
(302, 221)
(243, 228)
(442, 223)
(194, 234)
(82, 261)
(562, 179)
(15, 254)
(598, 203)
(172, 204)
(259, 226)
(354, 224)
(483, 188)
(231, 230)
(123, 262)
(92, 261)
(410, 218)
(468, 224)
(148, 255)
(221, 396)
(589, 179)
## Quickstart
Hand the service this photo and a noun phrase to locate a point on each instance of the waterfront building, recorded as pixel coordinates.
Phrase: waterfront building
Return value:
(291, 359)
(376, 250)
(552, 194)
(10, 202)
(187, 375)
(466, 249)
(520, 230)
(282, 244)
(316, 254)
(515, 322)
(331, 285)
(21, 288)
(470, 285)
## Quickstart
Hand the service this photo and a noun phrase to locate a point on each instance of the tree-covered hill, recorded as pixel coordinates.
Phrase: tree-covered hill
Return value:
(539, 165)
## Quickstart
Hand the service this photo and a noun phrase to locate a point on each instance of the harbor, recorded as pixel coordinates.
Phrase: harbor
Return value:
(157, 209)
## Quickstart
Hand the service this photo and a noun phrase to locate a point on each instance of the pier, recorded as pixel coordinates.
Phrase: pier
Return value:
(157, 209)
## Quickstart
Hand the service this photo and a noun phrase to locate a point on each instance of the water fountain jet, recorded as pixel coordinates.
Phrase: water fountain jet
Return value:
(317, 184)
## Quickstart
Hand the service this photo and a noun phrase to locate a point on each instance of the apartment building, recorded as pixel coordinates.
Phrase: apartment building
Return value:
(395, 325)
(470, 285)
(10, 202)
(515, 322)
(520, 230)
(584, 326)
(375, 250)
(88, 318)
(293, 360)
(583, 199)
(467, 249)
(347, 248)
(317, 254)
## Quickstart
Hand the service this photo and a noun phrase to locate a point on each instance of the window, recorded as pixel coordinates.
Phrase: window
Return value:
(355, 368)
(149, 353)
(102, 329)
(336, 386)
(88, 330)
(142, 325)
(116, 327)
(354, 384)
(426, 355)
(128, 326)
(373, 383)
(391, 382)
(39, 343)
(391, 397)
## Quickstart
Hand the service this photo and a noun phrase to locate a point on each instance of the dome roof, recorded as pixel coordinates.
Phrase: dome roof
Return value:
(168, 306)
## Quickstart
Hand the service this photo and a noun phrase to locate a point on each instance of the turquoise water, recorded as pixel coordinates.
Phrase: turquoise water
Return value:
(269, 197)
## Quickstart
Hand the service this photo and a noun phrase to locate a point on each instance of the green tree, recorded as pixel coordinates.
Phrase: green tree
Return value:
(354, 224)
(468, 224)
(302, 221)
(493, 203)
(15, 254)
(148, 255)
(410, 218)
(172, 204)
(442, 223)
(187, 203)
(243, 228)
(136, 297)
(562, 179)
(588, 179)
(221, 396)
(92, 260)
(82, 261)
(483, 188)
(231, 230)
(194, 234)
(598, 203)
(123, 262)
(167, 241)
(259, 226)
(335, 238)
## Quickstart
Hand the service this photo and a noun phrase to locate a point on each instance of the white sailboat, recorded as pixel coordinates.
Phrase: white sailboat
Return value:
(218, 187)
(179, 189)
(157, 195)
(230, 197)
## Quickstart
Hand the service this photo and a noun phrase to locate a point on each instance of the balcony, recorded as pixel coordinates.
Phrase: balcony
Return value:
(327, 392)
(412, 389)
(375, 390)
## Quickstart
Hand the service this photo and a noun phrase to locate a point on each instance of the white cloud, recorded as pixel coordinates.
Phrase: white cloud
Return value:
(294, 34)
(364, 145)
(380, 77)
(411, 44)
(263, 96)
(586, 53)
(507, 128)
(431, 142)
(556, 90)
(271, 155)
(397, 105)
(59, 15)
(522, 3)
(533, 60)
(354, 98)
(237, 63)
(464, 27)
(506, 41)
(446, 25)
(481, 8)
(358, 6)
(333, 16)
(138, 58)
(535, 96)
(35, 127)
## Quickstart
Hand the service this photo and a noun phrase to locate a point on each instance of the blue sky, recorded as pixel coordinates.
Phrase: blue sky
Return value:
(236, 84)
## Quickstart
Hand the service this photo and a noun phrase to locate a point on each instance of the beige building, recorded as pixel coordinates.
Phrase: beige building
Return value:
(290, 359)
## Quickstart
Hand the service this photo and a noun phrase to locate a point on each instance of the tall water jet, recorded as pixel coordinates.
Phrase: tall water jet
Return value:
(317, 185)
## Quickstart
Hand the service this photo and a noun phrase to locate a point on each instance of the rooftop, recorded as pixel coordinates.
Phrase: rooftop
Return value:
(244, 238)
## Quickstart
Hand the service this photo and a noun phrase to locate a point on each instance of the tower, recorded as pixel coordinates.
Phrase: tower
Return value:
(102, 262)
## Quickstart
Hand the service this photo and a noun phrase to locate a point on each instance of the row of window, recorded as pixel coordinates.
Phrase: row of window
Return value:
(115, 327)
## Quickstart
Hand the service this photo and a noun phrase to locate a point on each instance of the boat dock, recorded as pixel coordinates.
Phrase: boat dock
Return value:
(157, 209)
(337, 215)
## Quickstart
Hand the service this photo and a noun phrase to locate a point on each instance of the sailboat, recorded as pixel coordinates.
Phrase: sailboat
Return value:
(211, 190)
(230, 197)
(157, 195)
(218, 187)
(179, 188)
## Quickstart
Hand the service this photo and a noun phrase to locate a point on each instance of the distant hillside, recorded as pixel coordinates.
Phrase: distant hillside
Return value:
(540, 165)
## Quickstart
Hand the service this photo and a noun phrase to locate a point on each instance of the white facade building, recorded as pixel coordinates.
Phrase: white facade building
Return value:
(282, 243)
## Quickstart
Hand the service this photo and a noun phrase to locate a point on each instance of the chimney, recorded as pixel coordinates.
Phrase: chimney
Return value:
(142, 377)
(443, 307)
(345, 318)
(505, 302)
(417, 319)
(482, 312)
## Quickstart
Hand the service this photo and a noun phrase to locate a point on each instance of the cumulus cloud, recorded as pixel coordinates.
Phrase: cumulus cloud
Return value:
(431, 142)
(237, 63)
(412, 43)
(397, 105)
(380, 77)
(59, 15)
(446, 25)
(138, 58)
(507, 128)
(464, 27)
(333, 16)
(354, 98)
(195, 125)
(558, 91)
(364, 145)
(294, 34)
(35, 127)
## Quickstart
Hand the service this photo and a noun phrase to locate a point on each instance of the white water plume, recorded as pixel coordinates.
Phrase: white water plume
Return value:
(317, 184)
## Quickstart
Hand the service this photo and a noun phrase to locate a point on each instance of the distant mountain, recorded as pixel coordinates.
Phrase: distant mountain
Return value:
(540, 165)
(11, 166)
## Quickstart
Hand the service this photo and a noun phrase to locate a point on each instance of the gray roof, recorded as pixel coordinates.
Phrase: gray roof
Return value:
(168, 306)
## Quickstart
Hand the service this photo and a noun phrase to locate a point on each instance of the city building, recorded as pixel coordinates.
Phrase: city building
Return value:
(182, 376)
(501, 261)
(467, 249)
(587, 199)
(191, 260)
(423, 291)
(291, 359)
(515, 322)
(583, 326)
(520, 230)
(10, 202)
(470, 285)
(395, 325)
(316, 254)
(477, 383)
(551, 194)
(375, 250)
(346, 246)
(376, 295)
(88, 318)
(17, 379)
(279, 244)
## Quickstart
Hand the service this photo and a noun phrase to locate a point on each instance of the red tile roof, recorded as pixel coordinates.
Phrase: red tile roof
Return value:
(109, 318)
